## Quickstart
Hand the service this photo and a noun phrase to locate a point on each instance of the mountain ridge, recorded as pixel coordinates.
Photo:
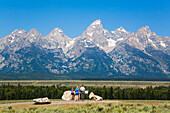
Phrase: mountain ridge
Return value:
(126, 53)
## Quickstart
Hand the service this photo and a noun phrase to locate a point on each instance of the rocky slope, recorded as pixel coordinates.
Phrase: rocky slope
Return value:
(96, 51)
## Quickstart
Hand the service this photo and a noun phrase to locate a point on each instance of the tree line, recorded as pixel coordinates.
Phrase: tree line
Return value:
(19, 92)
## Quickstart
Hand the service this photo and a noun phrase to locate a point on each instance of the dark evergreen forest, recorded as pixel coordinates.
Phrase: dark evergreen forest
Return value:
(19, 92)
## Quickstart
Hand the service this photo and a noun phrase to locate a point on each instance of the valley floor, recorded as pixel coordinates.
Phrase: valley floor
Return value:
(73, 83)
(147, 105)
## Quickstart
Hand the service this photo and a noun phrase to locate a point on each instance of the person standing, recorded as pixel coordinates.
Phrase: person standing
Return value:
(82, 90)
(72, 94)
(77, 92)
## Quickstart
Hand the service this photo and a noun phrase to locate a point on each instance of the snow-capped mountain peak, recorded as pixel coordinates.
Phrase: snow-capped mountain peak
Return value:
(33, 31)
(95, 25)
(17, 31)
(97, 22)
(121, 29)
(119, 33)
(58, 30)
(145, 29)
(55, 32)
(96, 50)
(95, 29)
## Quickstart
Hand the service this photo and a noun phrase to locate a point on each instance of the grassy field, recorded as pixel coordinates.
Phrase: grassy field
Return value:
(150, 102)
(122, 101)
(18, 101)
(130, 106)
(13, 101)
(70, 83)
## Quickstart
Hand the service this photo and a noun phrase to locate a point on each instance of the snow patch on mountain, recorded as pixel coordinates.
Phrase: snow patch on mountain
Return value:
(85, 42)
(90, 34)
(13, 37)
(105, 31)
(2, 65)
(112, 31)
(99, 46)
(111, 42)
(152, 42)
(119, 39)
(162, 44)
(148, 35)
(58, 29)
(12, 41)
(20, 32)
(2, 58)
(70, 43)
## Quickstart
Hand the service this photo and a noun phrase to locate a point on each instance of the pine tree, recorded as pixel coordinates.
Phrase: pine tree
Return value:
(111, 93)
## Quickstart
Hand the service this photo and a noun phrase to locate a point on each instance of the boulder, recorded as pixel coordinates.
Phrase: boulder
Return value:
(44, 100)
(95, 97)
(67, 95)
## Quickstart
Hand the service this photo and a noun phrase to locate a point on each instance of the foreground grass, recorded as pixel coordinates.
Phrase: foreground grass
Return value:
(13, 101)
(95, 108)
(124, 101)
(147, 101)
(18, 101)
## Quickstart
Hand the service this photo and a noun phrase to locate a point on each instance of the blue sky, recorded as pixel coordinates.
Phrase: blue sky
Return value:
(74, 16)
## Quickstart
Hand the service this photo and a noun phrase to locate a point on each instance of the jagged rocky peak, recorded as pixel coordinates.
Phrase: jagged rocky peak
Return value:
(57, 39)
(56, 32)
(143, 35)
(33, 31)
(153, 33)
(121, 29)
(119, 32)
(16, 34)
(96, 22)
(95, 25)
(144, 38)
(17, 31)
(144, 30)
(95, 28)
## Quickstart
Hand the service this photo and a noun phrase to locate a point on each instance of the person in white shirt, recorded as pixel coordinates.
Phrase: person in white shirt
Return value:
(82, 90)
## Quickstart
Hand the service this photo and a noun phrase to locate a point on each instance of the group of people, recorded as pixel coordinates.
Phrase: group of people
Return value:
(78, 93)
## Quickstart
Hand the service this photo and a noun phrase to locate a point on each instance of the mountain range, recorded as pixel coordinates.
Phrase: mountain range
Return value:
(97, 51)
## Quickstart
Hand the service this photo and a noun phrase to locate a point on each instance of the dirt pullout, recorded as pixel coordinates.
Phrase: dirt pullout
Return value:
(59, 102)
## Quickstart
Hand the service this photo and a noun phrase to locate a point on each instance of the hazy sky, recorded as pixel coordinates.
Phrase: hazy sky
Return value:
(74, 16)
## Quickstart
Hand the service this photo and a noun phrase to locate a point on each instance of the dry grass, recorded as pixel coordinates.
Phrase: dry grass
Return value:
(18, 101)
(68, 106)
(65, 106)
(122, 84)
(13, 101)
(147, 102)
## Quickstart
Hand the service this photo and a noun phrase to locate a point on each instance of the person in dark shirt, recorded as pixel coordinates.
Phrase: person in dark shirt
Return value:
(72, 94)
